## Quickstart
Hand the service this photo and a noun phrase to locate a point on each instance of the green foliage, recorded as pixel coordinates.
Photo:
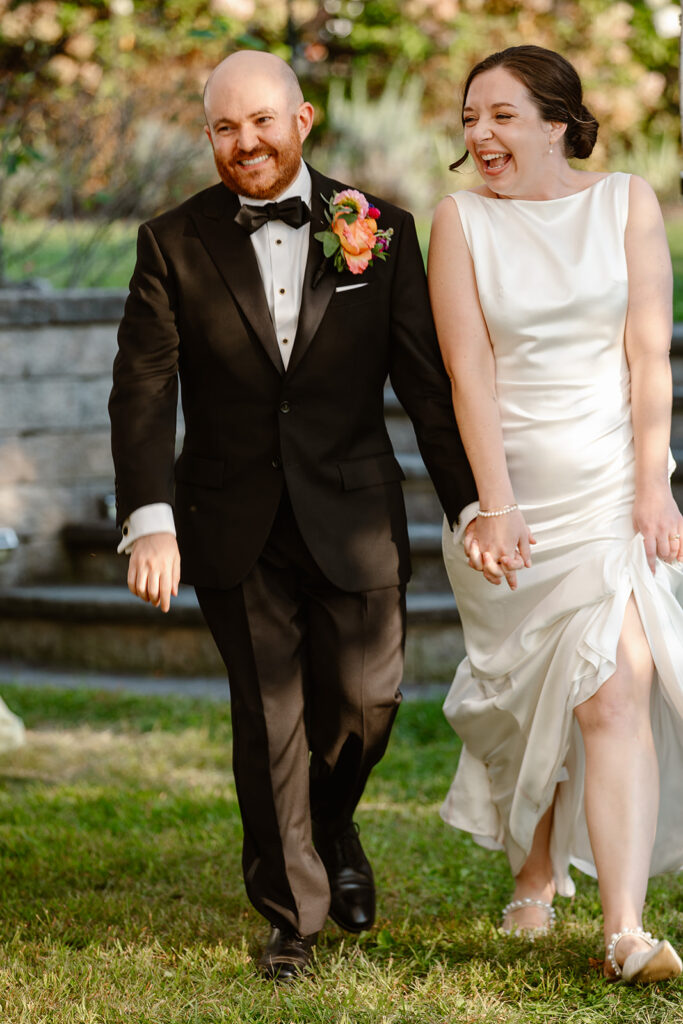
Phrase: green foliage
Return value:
(655, 159)
(674, 230)
(100, 101)
(381, 143)
(123, 900)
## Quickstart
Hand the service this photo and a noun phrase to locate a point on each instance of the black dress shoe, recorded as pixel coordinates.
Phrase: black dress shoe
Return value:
(287, 954)
(352, 885)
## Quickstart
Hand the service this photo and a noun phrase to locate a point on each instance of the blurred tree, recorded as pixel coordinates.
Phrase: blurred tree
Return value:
(107, 92)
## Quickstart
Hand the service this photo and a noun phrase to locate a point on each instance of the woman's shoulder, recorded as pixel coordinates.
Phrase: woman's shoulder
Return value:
(640, 190)
(643, 206)
(457, 203)
(479, 190)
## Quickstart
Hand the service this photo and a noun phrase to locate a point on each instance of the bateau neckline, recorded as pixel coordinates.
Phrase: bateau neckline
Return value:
(542, 202)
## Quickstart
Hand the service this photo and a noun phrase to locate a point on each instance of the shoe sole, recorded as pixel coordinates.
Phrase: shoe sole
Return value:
(348, 928)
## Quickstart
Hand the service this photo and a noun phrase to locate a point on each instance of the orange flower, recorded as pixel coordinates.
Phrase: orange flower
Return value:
(356, 240)
(351, 239)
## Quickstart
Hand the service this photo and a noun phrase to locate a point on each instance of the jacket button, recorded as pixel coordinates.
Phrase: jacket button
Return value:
(277, 462)
(285, 407)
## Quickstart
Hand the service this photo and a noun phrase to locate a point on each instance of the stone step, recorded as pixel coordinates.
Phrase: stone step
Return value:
(92, 555)
(106, 629)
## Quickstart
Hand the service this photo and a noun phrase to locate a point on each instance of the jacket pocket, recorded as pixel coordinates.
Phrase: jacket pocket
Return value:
(370, 471)
(353, 296)
(193, 469)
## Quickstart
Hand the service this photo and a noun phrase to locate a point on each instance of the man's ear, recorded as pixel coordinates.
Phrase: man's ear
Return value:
(304, 119)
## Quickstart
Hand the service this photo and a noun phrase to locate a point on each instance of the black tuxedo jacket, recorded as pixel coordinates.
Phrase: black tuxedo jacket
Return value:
(197, 311)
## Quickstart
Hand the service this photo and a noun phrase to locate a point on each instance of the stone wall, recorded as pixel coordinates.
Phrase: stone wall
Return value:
(56, 353)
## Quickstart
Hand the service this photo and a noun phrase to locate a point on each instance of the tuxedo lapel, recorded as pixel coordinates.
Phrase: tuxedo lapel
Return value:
(319, 278)
(231, 250)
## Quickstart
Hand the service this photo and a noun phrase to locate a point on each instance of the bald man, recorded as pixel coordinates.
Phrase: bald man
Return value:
(286, 498)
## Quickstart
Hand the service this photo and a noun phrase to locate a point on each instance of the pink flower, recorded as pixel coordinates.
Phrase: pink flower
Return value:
(353, 198)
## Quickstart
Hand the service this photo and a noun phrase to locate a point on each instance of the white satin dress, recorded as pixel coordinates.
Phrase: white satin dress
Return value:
(553, 287)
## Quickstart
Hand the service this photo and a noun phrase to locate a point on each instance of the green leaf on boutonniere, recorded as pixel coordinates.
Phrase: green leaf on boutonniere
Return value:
(330, 242)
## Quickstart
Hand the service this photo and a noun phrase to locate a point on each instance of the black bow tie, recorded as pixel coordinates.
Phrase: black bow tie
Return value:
(292, 211)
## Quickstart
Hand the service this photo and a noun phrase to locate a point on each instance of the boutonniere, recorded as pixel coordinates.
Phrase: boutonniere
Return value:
(352, 237)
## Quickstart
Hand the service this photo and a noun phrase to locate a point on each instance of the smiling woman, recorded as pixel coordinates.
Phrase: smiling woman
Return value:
(551, 291)
(518, 112)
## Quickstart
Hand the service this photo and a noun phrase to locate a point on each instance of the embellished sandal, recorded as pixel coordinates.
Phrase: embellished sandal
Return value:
(658, 963)
(530, 933)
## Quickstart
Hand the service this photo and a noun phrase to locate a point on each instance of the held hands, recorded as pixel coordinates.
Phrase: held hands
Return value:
(499, 546)
(657, 517)
(154, 569)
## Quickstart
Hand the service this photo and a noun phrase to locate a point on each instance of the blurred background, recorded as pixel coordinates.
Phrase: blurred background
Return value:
(101, 126)
(101, 116)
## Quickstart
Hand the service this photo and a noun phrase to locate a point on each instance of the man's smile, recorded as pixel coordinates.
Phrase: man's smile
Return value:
(253, 161)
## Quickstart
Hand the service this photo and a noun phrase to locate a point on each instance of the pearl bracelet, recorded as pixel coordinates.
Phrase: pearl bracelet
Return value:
(497, 511)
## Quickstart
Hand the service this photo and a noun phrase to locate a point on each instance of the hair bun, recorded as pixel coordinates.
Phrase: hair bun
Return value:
(582, 131)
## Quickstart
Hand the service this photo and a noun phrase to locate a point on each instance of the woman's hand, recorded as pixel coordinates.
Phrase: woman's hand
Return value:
(498, 546)
(657, 516)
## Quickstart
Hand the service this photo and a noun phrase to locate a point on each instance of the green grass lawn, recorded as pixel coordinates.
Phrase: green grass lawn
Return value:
(122, 897)
(68, 255)
(85, 254)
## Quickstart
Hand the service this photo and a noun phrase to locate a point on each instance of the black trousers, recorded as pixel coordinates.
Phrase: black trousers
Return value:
(314, 677)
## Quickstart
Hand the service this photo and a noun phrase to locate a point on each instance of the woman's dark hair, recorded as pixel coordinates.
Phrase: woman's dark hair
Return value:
(555, 88)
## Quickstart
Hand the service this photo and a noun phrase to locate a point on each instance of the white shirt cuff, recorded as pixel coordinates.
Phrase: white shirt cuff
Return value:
(157, 518)
(464, 519)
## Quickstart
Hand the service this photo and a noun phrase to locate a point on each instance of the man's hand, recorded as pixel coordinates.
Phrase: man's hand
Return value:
(154, 569)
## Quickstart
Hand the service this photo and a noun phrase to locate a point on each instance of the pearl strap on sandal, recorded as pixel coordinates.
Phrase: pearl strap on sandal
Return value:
(658, 963)
(614, 939)
(528, 902)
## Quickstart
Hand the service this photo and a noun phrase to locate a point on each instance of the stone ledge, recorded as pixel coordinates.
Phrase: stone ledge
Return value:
(20, 306)
(115, 604)
(106, 629)
(102, 534)
(83, 603)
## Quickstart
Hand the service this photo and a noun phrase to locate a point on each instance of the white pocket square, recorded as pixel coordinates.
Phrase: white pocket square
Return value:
(348, 287)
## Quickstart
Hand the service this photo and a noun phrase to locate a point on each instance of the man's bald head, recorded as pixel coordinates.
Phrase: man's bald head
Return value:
(235, 70)
(256, 120)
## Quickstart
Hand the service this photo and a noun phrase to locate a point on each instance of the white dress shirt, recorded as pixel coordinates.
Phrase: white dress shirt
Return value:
(281, 253)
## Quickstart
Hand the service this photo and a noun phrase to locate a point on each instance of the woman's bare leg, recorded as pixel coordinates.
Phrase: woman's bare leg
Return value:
(622, 783)
(535, 880)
